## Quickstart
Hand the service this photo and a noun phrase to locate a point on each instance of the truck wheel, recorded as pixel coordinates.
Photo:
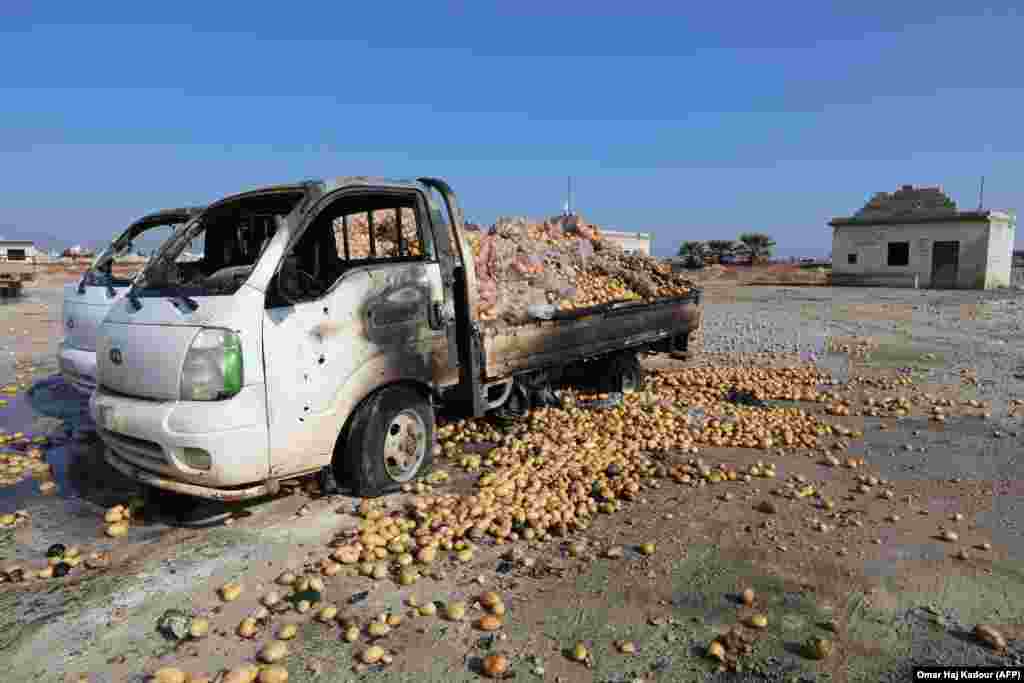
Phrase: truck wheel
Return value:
(390, 441)
(625, 373)
(689, 346)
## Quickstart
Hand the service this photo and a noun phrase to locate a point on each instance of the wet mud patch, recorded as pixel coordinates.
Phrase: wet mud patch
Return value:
(673, 618)
(78, 624)
(961, 447)
(52, 397)
(52, 409)
(928, 617)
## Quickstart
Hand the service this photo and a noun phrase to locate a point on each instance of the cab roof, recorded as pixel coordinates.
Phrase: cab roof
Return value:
(325, 185)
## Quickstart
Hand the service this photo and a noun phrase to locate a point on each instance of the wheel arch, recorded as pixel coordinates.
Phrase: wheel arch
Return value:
(351, 466)
(425, 389)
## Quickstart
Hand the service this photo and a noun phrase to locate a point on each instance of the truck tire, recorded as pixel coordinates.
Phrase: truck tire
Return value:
(624, 374)
(389, 442)
(689, 346)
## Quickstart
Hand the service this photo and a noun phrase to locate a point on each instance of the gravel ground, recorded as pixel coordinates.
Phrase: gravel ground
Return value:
(965, 330)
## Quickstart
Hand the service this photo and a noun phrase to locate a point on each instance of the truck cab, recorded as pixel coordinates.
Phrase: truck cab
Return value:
(319, 319)
(87, 301)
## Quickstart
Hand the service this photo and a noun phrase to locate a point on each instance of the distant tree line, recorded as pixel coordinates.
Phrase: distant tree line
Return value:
(758, 244)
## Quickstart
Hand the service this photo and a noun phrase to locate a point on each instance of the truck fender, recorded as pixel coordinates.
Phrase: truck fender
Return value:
(374, 375)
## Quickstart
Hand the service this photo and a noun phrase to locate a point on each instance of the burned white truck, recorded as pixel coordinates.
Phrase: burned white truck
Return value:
(302, 341)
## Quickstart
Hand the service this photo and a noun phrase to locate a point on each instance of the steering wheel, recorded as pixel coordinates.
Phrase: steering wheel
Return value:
(228, 274)
(312, 280)
(304, 283)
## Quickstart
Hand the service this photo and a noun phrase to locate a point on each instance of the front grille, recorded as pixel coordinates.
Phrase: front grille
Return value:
(132, 447)
(114, 392)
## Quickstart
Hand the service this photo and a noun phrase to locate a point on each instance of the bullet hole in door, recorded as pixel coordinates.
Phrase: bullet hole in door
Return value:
(320, 360)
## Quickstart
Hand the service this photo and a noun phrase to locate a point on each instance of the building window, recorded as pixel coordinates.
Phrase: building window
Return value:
(851, 259)
(899, 253)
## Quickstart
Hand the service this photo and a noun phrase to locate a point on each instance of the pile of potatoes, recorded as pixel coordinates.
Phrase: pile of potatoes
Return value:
(708, 385)
(556, 470)
(593, 289)
(16, 465)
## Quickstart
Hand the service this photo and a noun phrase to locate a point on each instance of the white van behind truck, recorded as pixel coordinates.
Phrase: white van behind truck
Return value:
(86, 302)
(309, 338)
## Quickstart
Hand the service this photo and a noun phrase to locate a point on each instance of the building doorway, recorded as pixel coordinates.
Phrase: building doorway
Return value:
(945, 261)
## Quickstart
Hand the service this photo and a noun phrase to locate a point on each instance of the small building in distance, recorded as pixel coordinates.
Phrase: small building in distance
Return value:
(17, 250)
(630, 242)
(918, 237)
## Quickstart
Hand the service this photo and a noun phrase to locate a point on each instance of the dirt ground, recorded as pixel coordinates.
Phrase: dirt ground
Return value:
(872, 575)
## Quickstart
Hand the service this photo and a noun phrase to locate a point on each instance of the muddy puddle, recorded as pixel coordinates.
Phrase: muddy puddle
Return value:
(85, 485)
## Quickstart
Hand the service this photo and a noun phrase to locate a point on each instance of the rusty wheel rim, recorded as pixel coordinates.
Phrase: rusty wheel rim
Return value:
(405, 445)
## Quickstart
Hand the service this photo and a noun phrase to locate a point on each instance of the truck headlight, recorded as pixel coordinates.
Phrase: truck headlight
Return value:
(213, 366)
(196, 458)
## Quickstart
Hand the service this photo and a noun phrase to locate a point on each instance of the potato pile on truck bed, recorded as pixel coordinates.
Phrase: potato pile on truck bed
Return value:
(526, 270)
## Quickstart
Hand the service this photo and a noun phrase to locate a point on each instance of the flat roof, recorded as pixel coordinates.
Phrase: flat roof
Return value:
(21, 243)
(911, 218)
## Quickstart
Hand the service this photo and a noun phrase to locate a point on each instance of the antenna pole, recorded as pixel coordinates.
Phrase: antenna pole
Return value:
(981, 194)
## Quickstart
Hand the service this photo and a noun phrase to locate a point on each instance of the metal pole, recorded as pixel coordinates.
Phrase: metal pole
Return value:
(981, 194)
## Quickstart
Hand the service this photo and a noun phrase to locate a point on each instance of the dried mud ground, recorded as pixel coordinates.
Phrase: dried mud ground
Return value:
(890, 594)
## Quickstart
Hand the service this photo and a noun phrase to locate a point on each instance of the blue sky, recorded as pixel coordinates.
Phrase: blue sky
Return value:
(693, 120)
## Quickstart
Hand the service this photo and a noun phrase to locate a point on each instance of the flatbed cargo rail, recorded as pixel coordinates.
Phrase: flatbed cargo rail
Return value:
(588, 332)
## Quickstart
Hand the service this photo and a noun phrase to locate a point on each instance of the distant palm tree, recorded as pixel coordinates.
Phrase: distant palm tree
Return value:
(691, 247)
(720, 248)
(759, 243)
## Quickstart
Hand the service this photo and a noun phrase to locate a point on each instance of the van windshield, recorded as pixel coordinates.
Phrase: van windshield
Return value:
(215, 254)
(117, 265)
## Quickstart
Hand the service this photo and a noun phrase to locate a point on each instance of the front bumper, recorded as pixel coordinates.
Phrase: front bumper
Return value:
(77, 367)
(209, 492)
(146, 439)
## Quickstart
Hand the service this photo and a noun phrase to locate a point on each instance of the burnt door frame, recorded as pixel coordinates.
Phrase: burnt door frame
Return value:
(945, 247)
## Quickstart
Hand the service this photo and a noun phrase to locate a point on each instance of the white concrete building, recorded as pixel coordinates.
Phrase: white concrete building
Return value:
(630, 242)
(17, 250)
(917, 237)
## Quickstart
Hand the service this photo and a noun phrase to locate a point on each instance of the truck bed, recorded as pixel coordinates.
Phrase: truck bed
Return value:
(583, 333)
